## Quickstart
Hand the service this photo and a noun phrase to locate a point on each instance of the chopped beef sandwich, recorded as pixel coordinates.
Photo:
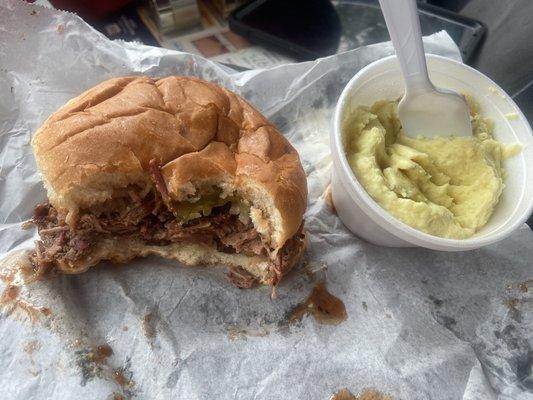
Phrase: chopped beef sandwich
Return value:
(177, 167)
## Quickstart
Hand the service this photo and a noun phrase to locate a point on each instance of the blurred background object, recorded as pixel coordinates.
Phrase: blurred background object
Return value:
(225, 7)
(494, 36)
(175, 15)
(304, 29)
(90, 10)
(506, 54)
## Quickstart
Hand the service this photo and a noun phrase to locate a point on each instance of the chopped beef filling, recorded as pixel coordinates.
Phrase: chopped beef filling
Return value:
(240, 277)
(150, 220)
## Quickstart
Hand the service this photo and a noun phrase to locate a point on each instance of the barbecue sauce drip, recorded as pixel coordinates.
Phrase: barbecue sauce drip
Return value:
(322, 305)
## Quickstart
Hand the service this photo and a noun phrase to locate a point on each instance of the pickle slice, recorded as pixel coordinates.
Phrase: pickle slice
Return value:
(186, 211)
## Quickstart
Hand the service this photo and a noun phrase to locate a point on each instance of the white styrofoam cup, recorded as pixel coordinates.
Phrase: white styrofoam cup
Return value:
(382, 80)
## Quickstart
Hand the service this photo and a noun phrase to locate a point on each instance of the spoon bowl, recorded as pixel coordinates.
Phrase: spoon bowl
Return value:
(435, 113)
(424, 110)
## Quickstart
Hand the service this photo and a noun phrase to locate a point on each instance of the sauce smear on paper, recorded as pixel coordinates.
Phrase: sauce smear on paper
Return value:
(322, 305)
(16, 271)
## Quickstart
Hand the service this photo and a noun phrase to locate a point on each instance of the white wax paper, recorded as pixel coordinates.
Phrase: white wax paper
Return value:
(421, 324)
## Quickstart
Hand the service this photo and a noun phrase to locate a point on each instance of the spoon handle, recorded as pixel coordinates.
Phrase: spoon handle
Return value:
(401, 17)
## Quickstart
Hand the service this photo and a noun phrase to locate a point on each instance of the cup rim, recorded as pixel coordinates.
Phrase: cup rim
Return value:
(381, 216)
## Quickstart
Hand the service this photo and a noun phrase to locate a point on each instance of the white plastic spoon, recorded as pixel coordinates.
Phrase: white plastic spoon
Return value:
(424, 110)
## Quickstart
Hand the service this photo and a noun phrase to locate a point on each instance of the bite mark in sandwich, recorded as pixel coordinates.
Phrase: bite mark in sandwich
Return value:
(176, 167)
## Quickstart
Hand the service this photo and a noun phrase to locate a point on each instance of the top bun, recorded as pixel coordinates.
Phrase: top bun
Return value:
(199, 133)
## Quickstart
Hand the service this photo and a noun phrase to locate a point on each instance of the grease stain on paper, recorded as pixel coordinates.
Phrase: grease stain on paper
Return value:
(148, 325)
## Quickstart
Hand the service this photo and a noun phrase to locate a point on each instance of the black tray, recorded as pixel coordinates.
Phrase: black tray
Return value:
(361, 23)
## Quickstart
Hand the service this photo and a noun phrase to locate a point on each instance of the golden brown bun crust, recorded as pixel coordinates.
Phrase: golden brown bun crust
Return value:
(107, 136)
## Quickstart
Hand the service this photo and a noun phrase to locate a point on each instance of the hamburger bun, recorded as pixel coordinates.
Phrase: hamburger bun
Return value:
(199, 137)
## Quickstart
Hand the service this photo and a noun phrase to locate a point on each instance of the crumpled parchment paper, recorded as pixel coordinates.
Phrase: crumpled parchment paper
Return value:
(421, 324)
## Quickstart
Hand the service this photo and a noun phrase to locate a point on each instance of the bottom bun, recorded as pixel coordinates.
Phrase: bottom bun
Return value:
(244, 270)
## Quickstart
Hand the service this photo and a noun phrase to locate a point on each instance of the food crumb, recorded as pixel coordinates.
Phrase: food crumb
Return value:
(494, 91)
(511, 115)
(343, 394)
(512, 303)
(523, 287)
(366, 394)
(511, 150)
(60, 28)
